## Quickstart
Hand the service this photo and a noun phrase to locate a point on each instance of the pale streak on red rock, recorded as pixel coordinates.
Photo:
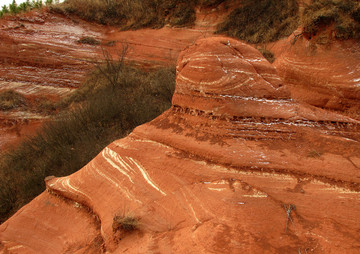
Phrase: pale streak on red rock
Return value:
(217, 172)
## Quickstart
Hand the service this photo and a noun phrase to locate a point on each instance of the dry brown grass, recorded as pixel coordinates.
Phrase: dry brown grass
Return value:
(267, 54)
(114, 99)
(343, 15)
(136, 14)
(88, 40)
(10, 99)
(125, 223)
(262, 21)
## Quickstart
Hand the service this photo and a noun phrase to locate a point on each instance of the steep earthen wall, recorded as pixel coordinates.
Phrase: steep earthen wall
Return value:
(235, 166)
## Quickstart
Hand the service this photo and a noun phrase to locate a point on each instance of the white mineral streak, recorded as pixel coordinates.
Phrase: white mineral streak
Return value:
(356, 80)
(109, 179)
(198, 67)
(16, 247)
(58, 181)
(123, 165)
(109, 155)
(254, 60)
(220, 182)
(26, 88)
(222, 67)
(217, 189)
(271, 76)
(247, 82)
(247, 73)
(181, 77)
(191, 207)
(153, 142)
(66, 183)
(146, 175)
(257, 194)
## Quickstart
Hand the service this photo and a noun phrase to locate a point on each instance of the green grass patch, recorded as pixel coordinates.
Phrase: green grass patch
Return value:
(28, 5)
(344, 15)
(262, 21)
(102, 110)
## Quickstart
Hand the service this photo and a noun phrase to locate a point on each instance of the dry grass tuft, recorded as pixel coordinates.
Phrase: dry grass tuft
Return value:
(262, 21)
(267, 54)
(10, 99)
(88, 40)
(343, 15)
(125, 223)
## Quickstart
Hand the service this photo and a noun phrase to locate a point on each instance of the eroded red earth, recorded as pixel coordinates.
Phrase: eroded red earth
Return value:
(245, 160)
(40, 54)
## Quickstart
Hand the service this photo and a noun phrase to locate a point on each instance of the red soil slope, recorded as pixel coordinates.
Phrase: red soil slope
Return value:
(235, 166)
(40, 57)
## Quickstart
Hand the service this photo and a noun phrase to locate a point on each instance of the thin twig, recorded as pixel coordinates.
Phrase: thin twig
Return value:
(288, 214)
(113, 68)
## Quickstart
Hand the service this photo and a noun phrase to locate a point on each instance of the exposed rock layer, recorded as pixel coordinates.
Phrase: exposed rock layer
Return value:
(228, 169)
(40, 57)
(322, 71)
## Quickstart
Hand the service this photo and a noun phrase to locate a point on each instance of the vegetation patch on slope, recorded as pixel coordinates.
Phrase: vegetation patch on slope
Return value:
(14, 8)
(344, 15)
(10, 99)
(262, 21)
(115, 99)
(136, 14)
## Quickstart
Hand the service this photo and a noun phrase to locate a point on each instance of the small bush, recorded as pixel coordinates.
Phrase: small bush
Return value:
(4, 10)
(344, 15)
(267, 54)
(23, 7)
(125, 223)
(14, 8)
(262, 21)
(182, 15)
(10, 99)
(88, 40)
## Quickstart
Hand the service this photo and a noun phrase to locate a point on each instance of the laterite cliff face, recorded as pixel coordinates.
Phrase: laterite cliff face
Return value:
(321, 71)
(40, 57)
(236, 165)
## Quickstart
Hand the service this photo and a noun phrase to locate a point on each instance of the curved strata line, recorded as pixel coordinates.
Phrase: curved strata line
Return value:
(108, 152)
(181, 77)
(125, 192)
(66, 183)
(121, 161)
(16, 247)
(191, 207)
(146, 175)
